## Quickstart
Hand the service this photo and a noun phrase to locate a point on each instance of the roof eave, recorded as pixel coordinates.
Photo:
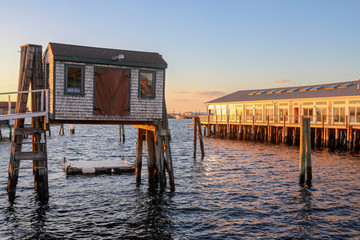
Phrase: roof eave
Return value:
(108, 62)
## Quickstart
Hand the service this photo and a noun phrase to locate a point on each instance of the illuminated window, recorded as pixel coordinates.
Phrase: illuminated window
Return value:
(74, 79)
(147, 84)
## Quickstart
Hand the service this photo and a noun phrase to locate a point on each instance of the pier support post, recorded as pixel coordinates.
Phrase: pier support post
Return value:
(200, 137)
(72, 129)
(194, 136)
(160, 160)
(228, 127)
(305, 152)
(150, 149)
(121, 133)
(61, 129)
(139, 148)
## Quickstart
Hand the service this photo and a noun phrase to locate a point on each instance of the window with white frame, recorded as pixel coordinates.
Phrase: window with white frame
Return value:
(283, 112)
(249, 112)
(321, 111)
(269, 108)
(308, 110)
(258, 112)
(354, 111)
(339, 111)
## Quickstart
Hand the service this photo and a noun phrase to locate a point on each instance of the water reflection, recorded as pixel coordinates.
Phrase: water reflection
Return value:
(306, 223)
(38, 218)
(151, 216)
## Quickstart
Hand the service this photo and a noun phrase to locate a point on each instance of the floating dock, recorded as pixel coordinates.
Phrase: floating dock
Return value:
(94, 167)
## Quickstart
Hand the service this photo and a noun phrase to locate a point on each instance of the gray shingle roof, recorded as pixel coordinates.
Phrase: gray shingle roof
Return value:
(243, 95)
(81, 53)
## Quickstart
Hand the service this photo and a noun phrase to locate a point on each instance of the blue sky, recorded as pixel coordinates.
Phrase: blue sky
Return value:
(212, 47)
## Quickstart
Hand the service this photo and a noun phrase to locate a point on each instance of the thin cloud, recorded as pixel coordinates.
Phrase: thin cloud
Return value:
(181, 92)
(209, 93)
(284, 81)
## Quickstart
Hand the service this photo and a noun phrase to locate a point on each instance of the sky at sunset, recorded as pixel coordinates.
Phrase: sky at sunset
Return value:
(212, 47)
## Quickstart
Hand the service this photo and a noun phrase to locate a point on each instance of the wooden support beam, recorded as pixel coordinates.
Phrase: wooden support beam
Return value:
(200, 138)
(228, 127)
(61, 129)
(139, 149)
(159, 150)
(194, 137)
(122, 133)
(146, 127)
(305, 165)
(150, 148)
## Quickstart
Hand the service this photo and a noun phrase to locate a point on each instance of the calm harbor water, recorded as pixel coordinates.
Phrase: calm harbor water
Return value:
(240, 190)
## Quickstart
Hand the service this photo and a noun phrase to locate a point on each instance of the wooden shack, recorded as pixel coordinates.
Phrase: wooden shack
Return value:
(102, 85)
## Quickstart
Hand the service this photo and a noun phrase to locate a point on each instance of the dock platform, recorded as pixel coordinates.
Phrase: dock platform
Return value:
(97, 167)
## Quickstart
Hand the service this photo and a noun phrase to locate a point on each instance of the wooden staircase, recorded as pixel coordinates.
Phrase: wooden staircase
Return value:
(30, 74)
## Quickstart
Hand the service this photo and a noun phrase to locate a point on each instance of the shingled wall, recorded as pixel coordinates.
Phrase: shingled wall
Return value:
(80, 107)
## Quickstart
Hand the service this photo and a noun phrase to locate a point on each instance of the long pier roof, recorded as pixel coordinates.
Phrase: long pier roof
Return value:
(339, 89)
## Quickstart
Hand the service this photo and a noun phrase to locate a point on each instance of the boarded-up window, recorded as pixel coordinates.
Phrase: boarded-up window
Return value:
(74, 79)
(147, 84)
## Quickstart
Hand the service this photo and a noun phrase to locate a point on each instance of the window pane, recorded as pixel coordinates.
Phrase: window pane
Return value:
(146, 82)
(74, 78)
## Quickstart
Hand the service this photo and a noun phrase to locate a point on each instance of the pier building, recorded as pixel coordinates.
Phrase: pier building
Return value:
(274, 114)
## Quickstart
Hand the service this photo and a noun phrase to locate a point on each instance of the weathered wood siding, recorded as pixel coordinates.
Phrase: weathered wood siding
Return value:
(49, 63)
(81, 107)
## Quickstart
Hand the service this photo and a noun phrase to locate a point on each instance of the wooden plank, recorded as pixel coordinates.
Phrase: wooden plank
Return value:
(145, 127)
(22, 115)
(30, 156)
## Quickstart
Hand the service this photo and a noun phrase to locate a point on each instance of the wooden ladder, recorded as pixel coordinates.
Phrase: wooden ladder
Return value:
(38, 155)
(30, 74)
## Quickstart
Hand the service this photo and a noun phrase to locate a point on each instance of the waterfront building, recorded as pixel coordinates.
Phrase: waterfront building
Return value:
(329, 106)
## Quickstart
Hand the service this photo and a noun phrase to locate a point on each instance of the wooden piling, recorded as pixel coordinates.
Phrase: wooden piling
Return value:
(61, 129)
(139, 149)
(150, 149)
(159, 160)
(168, 162)
(71, 129)
(302, 151)
(121, 133)
(194, 136)
(200, 138)
(305, 152)
(308, 154)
